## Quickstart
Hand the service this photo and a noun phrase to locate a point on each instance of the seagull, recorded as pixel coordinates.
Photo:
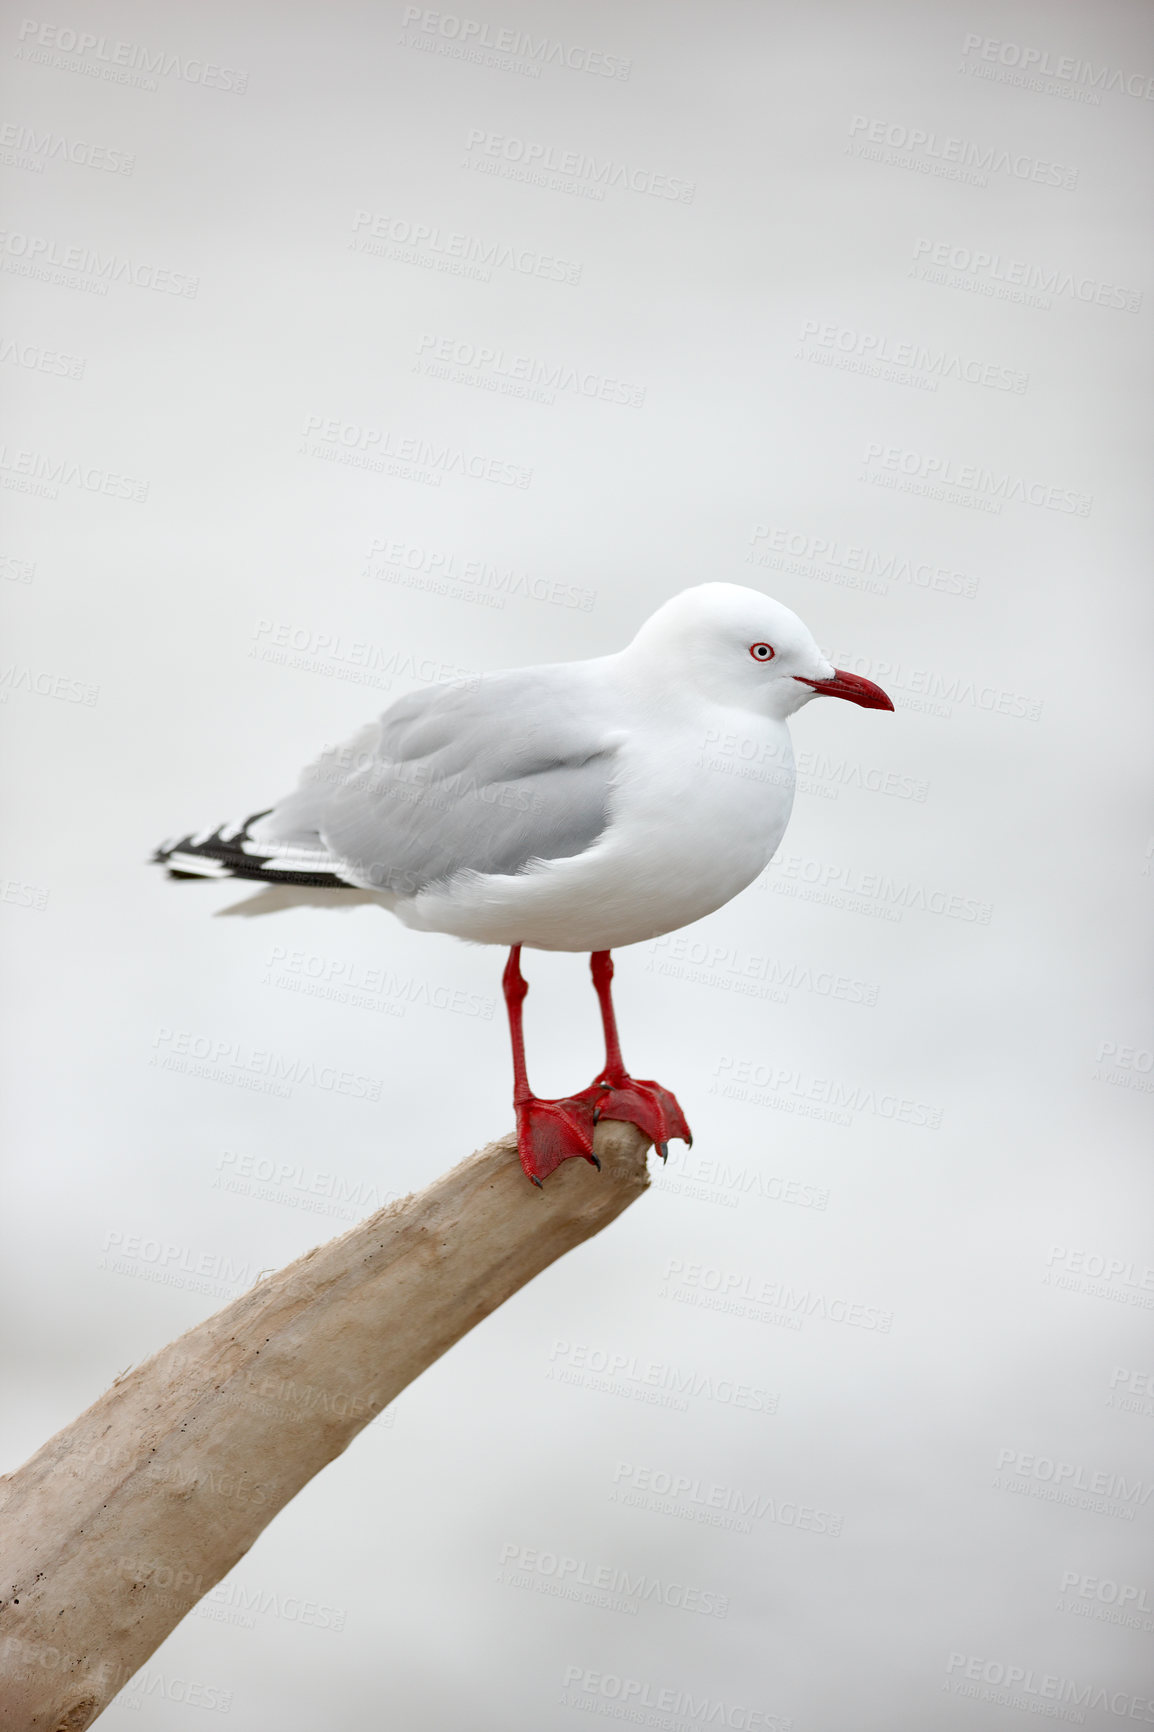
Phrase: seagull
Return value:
(577, 806)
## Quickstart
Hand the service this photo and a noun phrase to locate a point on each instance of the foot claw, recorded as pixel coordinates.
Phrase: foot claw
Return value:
(645, 1104)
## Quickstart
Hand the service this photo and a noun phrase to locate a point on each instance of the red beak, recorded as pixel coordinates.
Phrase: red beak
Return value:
(850, 686)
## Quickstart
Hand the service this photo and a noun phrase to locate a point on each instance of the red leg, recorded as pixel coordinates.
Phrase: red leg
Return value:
(601, 968)
(548, 1132)
(617, 1095)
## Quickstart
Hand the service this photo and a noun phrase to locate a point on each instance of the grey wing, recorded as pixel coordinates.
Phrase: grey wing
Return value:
(482, 775)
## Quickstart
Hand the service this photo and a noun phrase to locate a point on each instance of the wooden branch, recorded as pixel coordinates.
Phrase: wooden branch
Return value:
(126, 1518)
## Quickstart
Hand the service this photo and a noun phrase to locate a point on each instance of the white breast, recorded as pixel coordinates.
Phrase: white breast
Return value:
(700, 804)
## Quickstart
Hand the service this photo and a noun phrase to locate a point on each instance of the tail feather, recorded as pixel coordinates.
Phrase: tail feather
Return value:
(227, 852)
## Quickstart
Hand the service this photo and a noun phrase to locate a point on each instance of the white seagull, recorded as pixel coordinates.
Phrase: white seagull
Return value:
(575, 806)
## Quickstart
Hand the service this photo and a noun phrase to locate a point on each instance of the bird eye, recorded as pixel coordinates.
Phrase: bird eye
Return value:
(762, 652)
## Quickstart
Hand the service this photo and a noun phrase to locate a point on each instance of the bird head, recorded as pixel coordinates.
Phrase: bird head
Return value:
(745, 650)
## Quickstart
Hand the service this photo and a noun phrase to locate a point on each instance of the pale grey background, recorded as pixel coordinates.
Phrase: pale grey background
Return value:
(995, 814)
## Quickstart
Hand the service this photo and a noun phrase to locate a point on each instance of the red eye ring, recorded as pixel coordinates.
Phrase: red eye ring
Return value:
(762, 652)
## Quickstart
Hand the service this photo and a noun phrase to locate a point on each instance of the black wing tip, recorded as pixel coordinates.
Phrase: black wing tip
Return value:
(212, 846)
(232, 861)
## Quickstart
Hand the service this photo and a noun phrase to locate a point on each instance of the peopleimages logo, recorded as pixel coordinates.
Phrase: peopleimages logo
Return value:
(685, 1174)
(37, 472)
(725, 1506)
(863, 892)
(494, 369)
(171, 1265)
(736, 1076)
(383, 451)
(1039, 62)
(478, 39)
(14, 678)
(299, 1186)
(1014, 279)
(756, 976)
(935, 691)
(450, 250)
(1109, 1593)
(665, 1385)
(617, 1697)
(34, 255)
(1138, 1383)
(988, 484)
(851, 564)
(352, 659)
(40, 360)
(348, 982)
(879, 355)
(232, 1062)
(523, 158)
(1071, 1483)
(190, 1692)
(1025, 1687)
(233, 1598)
(608, 1585)
(102, 57)
(444, 571)
(24, 141)
(753, 1296)
(933, 153)
(1076, 1261)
